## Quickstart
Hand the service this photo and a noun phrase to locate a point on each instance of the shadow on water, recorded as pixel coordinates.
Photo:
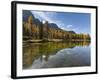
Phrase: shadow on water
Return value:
(41, 53)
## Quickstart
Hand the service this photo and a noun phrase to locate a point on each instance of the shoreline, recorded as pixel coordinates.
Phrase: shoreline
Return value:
(52, 40)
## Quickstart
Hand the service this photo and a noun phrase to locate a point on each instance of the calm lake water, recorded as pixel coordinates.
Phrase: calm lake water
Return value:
(56, 55)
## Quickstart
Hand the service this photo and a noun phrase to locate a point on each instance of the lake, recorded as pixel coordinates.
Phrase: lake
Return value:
(56, 54)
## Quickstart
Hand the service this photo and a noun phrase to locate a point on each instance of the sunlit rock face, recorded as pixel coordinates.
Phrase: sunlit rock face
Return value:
(44, 21)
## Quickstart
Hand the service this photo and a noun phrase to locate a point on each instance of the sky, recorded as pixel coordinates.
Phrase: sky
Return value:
(78, 22)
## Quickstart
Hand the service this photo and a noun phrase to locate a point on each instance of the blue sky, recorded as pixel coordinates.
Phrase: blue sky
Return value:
(78, 22)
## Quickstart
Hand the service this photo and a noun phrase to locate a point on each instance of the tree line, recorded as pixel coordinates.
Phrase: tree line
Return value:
(39, 30)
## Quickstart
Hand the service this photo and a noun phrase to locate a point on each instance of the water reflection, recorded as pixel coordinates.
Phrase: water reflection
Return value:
(56, 54)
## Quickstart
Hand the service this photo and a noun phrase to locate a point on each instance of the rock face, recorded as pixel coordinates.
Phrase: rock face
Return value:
(35, 29)
(53, 25)
(26, 14)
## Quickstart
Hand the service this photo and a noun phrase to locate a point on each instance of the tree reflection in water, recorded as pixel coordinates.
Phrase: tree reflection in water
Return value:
(42, 51)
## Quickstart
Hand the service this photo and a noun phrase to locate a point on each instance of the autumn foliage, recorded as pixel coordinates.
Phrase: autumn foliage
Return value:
(33, 29)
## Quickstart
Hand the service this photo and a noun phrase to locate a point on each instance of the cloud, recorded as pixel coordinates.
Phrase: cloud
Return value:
(48, 17)
(69, 26)
(44, 15)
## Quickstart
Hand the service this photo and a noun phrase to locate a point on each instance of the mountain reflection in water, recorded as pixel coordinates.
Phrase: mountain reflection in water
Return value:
(56, 54)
